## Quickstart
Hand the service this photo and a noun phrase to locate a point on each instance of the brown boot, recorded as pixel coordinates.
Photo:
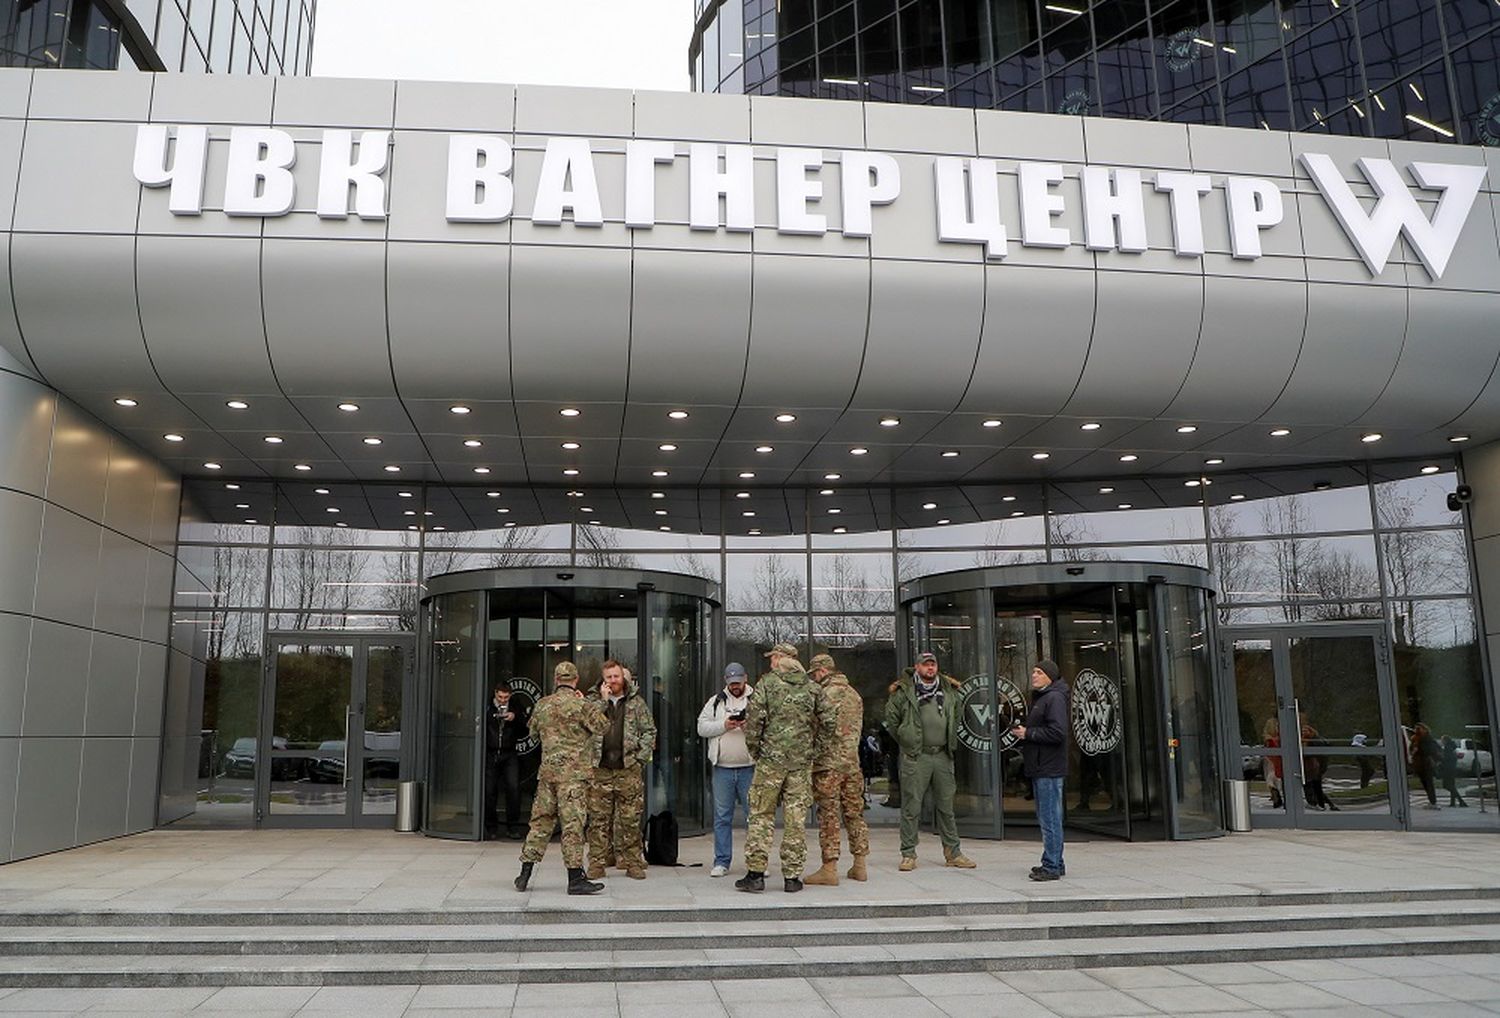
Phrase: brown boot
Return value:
(596, 870)
(957, 858)
(908, 863)
(857, 871)
(828, 876)
(636, 872)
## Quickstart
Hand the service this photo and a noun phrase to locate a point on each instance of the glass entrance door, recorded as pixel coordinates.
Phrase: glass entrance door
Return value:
(1316, 716)
(331, 728)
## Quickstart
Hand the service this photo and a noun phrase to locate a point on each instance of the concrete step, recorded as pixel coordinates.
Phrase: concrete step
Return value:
(717, 962)
(689, 933)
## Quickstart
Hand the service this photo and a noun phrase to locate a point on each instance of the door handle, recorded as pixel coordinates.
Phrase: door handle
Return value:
(348, 718)
(1297, 729)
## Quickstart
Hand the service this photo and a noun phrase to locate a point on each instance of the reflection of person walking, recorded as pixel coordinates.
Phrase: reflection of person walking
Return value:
(569, 727)
(838, 783)
(787, 715)
(1450, 772)
(923, 715)
(617, 794)
(1423, 757)
(1044, 748)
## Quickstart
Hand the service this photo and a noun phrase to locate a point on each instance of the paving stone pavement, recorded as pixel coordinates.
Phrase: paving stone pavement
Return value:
(1458, 986)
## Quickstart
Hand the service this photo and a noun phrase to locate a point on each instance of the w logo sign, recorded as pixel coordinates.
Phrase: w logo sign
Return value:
(1396, 211)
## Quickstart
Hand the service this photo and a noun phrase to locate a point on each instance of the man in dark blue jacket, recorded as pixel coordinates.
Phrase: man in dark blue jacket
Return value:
(1044, 751)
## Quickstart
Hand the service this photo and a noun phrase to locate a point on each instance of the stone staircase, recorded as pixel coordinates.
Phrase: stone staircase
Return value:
(774, 935)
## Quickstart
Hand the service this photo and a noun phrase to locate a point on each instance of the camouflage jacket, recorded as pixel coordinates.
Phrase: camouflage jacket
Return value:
(640, 726)
(569, 727)
(840, 750)
(788, 714)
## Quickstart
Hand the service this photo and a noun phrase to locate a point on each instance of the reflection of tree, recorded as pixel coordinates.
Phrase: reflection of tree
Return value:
(237, 573)
(994, 553)
(847, 600)
(599, 546)
(694, 564)
(1416, 561)
(1234, 561)
(1310, 570)
(765, 630)
(776, 586)
(1066, 532)
(318, 578)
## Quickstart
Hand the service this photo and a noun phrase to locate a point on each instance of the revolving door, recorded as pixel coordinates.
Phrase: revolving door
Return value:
(488, 626)
(1133, 641)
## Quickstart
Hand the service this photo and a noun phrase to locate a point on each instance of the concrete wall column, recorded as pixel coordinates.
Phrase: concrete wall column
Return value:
(1481, 471)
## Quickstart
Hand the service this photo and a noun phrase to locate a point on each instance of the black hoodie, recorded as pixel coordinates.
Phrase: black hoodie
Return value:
(1045, 748)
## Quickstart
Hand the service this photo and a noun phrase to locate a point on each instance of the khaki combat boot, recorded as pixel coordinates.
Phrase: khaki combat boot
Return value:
(636, 872)
(908, 863)
(958, 859)
(827, 876)
(857, 871)
(596, 870)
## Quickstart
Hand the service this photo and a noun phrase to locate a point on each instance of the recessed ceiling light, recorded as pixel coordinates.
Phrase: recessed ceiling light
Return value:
(1431, 469)
(742, 494)
(492, 494)
(1041, 455)
(889, 422)
(1106, 490)
(392, 468)
(1018, 512)
(678, 415)
(331, 509)
(1090, 426)
(372, 440)
(1458, 438)
(944, 521)
(503, 509)
(659, 512)
(834, 510)
(249, 521)
(858, 450)
(1129, 457)
(1322, 485)
(409, 512)
(481, 470)
(763, 449)
(213, 466)
(567, 471)
(662, 527)
(949, 454)
(658, 494)
(1213, 461)
(1280, 432)
(125, 401)
(341, 523)
(993, 422)
(1125, 505)
(929, 505)
(575, 494)
(1373, 436)
(746, 475)
(172, 436)
(348, 408)
(273, 440)
(748, 512)
(427, 512)
(232, 487)
(304, 467)
(404, 494)
(570, 411)
(242, 505)
(585, 509)
(1191, 483)
(1187, 429)
(458, 408)
(832, 477)
(785, 418)
(440, 527)
(571, 446)
(320, 491)
(841, 530)
(473, 443)
(1007, 498)
(667, 447)
(1236, 498)
(237, 404)
(754, 531)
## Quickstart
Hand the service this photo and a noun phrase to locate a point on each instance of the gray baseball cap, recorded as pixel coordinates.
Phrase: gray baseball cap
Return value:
(734, 671)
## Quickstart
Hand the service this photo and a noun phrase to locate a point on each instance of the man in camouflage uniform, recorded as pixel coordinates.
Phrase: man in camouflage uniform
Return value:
(787, 715)
(569, 727)
(617, 793)
(838, 782)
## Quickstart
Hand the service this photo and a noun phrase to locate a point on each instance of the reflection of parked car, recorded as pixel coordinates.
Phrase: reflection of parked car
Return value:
(239, 762)
(1472, 759)
(1253, 766)
(327, 763)
(382, 758)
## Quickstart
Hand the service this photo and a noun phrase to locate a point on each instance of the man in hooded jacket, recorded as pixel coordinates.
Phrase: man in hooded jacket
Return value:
(1044, 751)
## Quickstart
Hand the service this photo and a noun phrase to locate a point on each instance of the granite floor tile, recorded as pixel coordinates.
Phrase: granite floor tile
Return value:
(863, 986)
(1186, 999)
(1282, 995)
(365, 1001)
(1050, 981)
(741, 991)
(457, 996)
(1092, 1003)
(566, 995)
(1010, 1005)
(955, 984)
(1377, 992)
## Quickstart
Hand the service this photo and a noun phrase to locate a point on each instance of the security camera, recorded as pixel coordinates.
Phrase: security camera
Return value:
(1460, 497)
(564, 576)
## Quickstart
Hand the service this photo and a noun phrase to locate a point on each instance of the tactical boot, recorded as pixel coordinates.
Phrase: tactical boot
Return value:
(525, 877)
(793, 884)
(957, 858)
(908, 863)
(636, 872)
(580, 884)
(751, 881)
(596, 870)
(857, 871)
(828, 876)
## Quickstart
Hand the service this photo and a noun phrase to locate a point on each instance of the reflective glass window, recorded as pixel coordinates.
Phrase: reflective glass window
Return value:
(882, 60)
(921, 28)
(852, 583)
(731, 22)
(967, 45)
(1416, 108)
(1066, 43)
(1257, 96)
(1425, 562)
(1020, 70)
(1173, 524)
(1248, 31)
(1182, 554)
(1126, 80)
(1300, 571)
(171, 33)
(1467, 18)
(1185, 50)
(911, 564)
(1115, 19)
(1408, 495)
(1307, 512)
(1324, 68)
(1476, 73)
(1071, 90)
(1397, 36)
(1202, 108)
(768, 583)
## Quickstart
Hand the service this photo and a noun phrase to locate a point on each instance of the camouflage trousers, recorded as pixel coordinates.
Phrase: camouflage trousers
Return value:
(792, 788)
(836, 793)
(563, 799)
(616, 801)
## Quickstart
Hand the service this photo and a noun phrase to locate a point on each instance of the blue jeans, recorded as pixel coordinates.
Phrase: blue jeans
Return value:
(731, 785)
(1049, 814)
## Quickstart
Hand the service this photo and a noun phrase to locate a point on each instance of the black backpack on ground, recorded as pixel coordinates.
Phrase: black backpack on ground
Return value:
(661, 839)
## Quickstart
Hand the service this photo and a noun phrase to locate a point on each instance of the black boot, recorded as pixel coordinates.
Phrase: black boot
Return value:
(751, 881)
(525, 877)
(580, 884)
(792, 884)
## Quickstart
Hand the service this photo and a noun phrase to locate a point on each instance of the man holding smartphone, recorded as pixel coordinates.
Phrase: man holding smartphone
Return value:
(722, 723)
(1043, 739)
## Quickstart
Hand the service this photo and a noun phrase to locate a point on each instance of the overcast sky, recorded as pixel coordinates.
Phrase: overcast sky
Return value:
(619, 43)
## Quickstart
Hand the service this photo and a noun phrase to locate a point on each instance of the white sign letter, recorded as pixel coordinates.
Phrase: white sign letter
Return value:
(188, 160)
(479, 186)
(340, 170)
(736, 184)
(1039, 206)
(641, 160)
(1254, 205)
(794, 192)
(259, 180)
(970, 214)
(1185, 190)
(567, 182)
(1110, 197)
(1396, 211)
(867, 179)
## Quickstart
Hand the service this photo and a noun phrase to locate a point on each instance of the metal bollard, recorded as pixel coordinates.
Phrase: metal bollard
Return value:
(408, 805)
(1237, 804)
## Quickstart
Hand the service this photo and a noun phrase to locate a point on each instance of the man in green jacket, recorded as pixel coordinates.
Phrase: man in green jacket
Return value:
(922, 715)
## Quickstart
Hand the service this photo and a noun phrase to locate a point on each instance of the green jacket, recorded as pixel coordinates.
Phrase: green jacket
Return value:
(788, 715)
(640, 726)
(901, 718)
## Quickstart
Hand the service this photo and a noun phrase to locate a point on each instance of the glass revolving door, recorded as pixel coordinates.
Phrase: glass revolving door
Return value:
(510, 628)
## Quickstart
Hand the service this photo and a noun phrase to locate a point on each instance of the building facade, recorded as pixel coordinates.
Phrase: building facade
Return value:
(349, 336)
